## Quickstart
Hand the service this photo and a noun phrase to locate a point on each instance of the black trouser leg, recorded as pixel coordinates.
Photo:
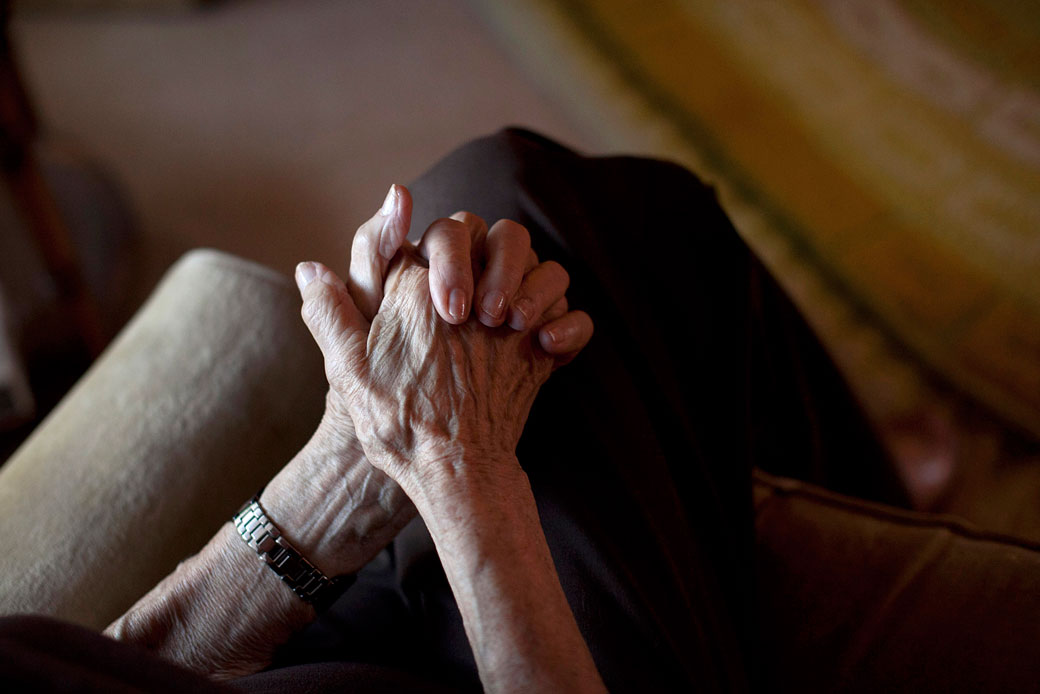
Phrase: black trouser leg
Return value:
(640, 451)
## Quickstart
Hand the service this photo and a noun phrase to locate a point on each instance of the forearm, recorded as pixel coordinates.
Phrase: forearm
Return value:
(493, 550)
(332, 505)
(223, 612)
(219, 613)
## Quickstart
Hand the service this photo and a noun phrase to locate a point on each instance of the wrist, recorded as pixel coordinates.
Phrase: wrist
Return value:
(332, 505)
(466, 487)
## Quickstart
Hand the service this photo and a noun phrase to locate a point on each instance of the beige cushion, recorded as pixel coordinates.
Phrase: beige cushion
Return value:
(206, 393)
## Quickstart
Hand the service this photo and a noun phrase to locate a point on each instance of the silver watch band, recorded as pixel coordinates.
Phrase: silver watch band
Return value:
(306, 580)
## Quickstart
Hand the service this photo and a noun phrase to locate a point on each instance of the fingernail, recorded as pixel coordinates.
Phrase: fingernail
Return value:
(389, 202)
(457, 304)
(523, 308)
(494, 303)
(305, 272)
(554, 337)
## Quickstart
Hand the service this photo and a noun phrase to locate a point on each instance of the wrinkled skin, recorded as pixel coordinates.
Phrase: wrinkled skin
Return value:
(440, 408)
(433, 393)
(424, 394)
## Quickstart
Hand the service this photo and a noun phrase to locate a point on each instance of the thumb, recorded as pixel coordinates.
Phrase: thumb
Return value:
(375, 244)
(336, 324)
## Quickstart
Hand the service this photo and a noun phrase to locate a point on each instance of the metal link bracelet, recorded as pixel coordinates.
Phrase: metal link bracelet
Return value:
(305, 579)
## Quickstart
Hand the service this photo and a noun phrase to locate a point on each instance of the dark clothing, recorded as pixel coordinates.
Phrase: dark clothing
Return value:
(39, 654)
(640, 451)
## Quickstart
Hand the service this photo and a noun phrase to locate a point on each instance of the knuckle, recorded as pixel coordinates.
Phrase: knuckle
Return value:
(459, 230)
(311, 311)
(558, 272)
(561, 273)
(446, 236)
(468, 219)
(447, 225)
(317, 303)
(363, 243)
(513, 232)
(370, 228)
(311, 315)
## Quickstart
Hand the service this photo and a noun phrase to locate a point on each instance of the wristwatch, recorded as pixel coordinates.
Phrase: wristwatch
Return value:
(305, 579)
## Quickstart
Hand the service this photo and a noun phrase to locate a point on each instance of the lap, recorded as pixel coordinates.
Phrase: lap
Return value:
(42, 654)
(640, 451)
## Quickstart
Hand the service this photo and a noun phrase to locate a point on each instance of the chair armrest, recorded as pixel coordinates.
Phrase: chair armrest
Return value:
(207, 392)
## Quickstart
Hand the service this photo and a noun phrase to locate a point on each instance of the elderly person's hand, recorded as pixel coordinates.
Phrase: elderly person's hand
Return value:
(440, 408)
(328, 501)
(426, 396)
(511, 284)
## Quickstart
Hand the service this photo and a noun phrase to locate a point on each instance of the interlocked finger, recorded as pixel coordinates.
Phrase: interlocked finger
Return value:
(542, 287)
(478, 230)
(532, 261)
(555, 311)
(507, 251)
(335, 322)
(565, 336)
(446, 246)
(375, 243)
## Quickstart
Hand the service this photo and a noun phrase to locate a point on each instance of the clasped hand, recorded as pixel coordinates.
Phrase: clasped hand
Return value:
(438, 402)
(429, 393)
(418, 393)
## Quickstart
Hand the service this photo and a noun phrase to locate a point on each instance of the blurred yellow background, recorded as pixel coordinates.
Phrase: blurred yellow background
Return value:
(882, 155)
